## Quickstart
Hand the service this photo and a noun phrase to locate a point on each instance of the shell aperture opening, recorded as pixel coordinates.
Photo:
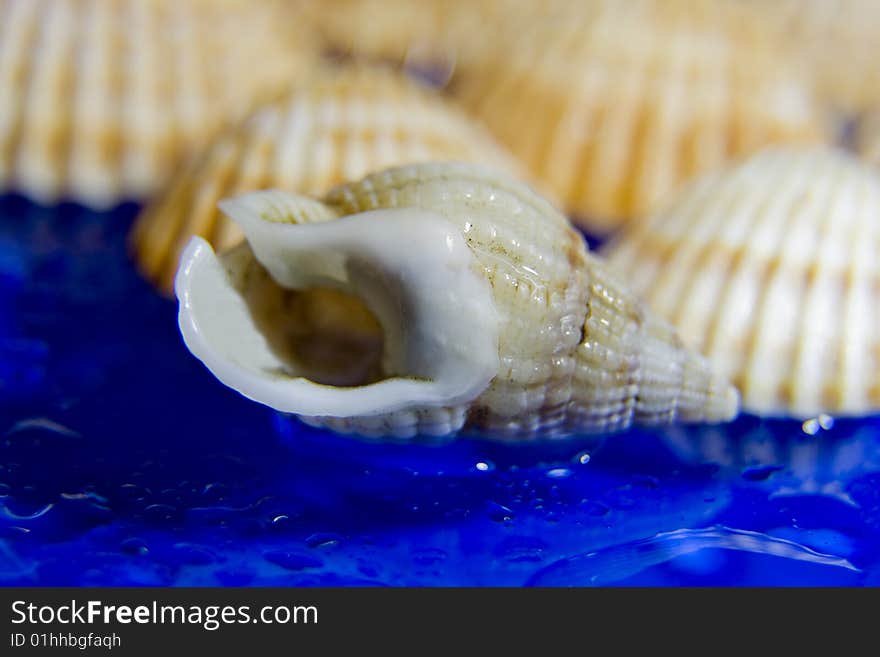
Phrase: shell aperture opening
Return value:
(339, 317)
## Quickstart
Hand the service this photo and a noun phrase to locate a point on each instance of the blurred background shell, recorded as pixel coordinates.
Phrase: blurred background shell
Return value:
(868, 138)
(433, 37)
(100, 97)
(838, 40)
(339, 125)
(614, 104)
(770, 270)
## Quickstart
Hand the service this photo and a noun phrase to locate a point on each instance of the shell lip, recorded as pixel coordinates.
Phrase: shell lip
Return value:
(202, 274)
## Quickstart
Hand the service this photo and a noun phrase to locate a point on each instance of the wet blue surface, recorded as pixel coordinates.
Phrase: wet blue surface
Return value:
(123, 462)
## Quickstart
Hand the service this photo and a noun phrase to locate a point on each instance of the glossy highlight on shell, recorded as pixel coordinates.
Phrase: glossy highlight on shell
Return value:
(338, 125)
(614, 105)
(770, 270)
(101, 98)
(475, 307)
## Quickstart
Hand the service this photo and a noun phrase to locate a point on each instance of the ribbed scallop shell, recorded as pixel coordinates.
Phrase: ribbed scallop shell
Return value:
(576, 351)
(101, 97)
(340, 125)
(444, 34)
(393, 30)
(838, 40)
(770, 269)
(617, 104)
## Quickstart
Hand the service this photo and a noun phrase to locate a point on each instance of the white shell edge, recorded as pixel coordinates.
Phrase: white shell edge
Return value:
(454, 340)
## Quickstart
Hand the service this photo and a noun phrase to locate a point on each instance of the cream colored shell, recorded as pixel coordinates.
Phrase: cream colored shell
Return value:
(495, 317)
(615, 105)
(436, 35)
(868, 138)
(100, 98)
(339, 125)
(771, 270)
(428, 31)
(838, 40)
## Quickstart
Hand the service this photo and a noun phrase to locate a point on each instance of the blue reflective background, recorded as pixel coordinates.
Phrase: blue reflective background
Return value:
(123, 462)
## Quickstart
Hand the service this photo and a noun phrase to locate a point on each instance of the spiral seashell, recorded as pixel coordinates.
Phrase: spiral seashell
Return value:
(338, 125)
(102, 97)
(769, 269)
(428, 299)
(615, 106)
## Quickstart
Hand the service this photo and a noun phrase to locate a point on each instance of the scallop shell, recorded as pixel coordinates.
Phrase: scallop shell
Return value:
(770, 270)
(391, 30)
(489, 314)
(338, 126)
(101, 98)
(616, 106)
(839, 40)
(868, 138)
(432, 36)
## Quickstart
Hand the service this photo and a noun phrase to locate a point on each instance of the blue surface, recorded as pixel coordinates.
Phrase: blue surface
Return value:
(123, 462)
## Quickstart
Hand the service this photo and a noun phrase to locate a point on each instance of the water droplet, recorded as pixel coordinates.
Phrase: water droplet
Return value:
(518, 549)
(621, 498)
(46, 425)
(323, 540)
(192, 554)
(812, 425)
(160, 512)
(646, 481)
(84, 496)
(760, 472)
(215, 492)
(292, 560)
(559, 473)
(428, 556)
(583, 458)
(484, 466)
(134, 492)
(134, 546)
(499, 512)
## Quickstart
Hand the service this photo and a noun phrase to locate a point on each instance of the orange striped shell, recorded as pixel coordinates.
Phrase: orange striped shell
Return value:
(339, 125)
(770, 269)
(102, 97)
(618, 104)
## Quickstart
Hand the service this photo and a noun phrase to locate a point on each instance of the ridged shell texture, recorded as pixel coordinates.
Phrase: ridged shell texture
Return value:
(101, 98)
(578, 352)
(615, 105)
(340, 125)
(770, 269)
